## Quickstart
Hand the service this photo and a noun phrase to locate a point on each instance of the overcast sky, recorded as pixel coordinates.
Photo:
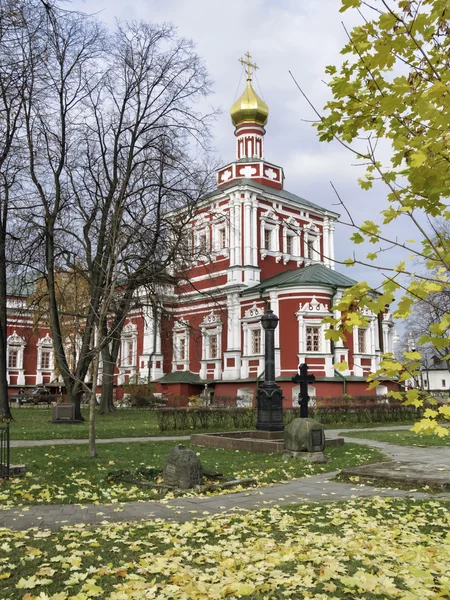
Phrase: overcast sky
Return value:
(302, 36)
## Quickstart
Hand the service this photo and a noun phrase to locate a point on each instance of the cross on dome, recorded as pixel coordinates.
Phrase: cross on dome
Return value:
(249, 65)
(249, 108)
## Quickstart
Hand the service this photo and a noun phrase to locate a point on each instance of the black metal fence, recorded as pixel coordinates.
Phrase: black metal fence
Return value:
(4, 451)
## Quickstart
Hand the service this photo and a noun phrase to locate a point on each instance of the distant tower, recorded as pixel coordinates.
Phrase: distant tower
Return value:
(249, 115)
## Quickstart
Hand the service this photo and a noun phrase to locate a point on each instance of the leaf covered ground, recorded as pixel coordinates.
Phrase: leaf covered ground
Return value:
(64, 474)
(365, 549)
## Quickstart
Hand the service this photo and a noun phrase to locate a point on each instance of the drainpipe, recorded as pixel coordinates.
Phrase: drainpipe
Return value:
(266, 302)
(344, 381)
(258, 379)
(331, 306)
(380, 332)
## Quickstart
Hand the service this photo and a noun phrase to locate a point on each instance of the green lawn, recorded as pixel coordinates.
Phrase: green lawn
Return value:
(365, 549)
(33, 423)
(64, 474)
(402, 438)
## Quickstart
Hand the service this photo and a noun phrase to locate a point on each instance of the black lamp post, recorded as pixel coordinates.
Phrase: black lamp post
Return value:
(270, 397)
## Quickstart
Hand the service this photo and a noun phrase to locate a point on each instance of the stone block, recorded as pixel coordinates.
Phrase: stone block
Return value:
(304, 435)
(182, 468)
(310, 457)
(63, 412)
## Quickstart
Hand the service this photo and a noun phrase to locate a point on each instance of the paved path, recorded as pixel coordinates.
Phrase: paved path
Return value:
(319, 488)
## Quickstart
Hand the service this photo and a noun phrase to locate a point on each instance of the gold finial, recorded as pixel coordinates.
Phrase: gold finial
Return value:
(249, 65)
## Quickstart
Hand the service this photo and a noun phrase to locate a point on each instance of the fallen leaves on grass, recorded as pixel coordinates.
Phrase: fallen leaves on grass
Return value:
(66, 476)
(367, 548)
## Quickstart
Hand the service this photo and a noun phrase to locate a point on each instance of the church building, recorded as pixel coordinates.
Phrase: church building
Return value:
(257, 246)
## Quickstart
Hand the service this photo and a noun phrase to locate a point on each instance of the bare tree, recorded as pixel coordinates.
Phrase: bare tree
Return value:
(113, 147)
(140, 167)
(19, 23)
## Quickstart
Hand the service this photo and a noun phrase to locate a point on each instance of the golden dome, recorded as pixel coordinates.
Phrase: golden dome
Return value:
(249, 108)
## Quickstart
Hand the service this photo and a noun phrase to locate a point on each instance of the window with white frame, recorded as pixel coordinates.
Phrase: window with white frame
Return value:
(290, 244)
(313, 335)
(15, 348)
(269, 233)
(443, 382)
(202, 242)
(310, 250)
(13, 357)
(180, 345)
(181, 348)
(362, 344)
(45, 354)
(129, 346)
(222, 238)
(211, 328)
(255, 336)
(213, 346)
(46, 357)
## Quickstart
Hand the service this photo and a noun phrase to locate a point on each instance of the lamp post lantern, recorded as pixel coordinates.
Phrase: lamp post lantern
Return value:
(270, 397)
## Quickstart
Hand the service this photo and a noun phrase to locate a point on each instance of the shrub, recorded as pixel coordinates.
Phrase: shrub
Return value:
(140, 393)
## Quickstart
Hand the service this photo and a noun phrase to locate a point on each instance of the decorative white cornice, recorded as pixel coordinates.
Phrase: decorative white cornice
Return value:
(211, 320)
(269, 215)
(181, 325)
(253, 313)
(311, 228)
(45, 341)
(313, 307)
(129, 329)
(15, 340)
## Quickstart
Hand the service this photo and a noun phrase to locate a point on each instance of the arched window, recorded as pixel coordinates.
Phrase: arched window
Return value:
(45, 360)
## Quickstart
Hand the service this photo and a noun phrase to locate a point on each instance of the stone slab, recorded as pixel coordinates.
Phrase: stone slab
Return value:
(311, 457)
(417, 474)
(251, 441)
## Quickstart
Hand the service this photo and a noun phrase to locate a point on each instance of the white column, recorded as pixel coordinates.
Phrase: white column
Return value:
(331, 245)
(326, 241)
(232, 232)
(238, 238)
(247, 230)
(254, 230)
(301, 335)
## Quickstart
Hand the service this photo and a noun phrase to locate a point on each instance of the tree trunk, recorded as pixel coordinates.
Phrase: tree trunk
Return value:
(106, 400)
(92, 403)
(5, 411)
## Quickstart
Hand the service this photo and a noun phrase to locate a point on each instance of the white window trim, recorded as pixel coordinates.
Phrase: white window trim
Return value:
(45, 343)
(202, 228)
(305, 319)
(18, 343)
(248, 328)
(217, 231)
(129, 334)
(270, 222)
(291, 229)
(211, 326)
(180, 332)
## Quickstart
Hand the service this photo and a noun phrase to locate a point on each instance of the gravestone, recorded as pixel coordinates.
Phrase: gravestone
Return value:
(304, 439)
(182, 468)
